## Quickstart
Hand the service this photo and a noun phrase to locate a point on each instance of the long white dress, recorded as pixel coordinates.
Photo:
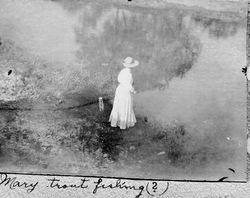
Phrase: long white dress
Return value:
(122, 114)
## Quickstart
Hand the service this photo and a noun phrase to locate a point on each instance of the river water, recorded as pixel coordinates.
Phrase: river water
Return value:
(211, 98)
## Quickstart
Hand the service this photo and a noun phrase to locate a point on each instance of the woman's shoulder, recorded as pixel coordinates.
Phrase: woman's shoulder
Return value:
(126, 70)
(124, 75)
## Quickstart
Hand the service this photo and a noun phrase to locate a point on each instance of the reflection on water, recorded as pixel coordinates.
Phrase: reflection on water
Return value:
(206, 105)
(215, 86)
(211, 99)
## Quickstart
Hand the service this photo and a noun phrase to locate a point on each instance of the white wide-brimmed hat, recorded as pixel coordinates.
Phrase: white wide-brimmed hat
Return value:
(130, 62)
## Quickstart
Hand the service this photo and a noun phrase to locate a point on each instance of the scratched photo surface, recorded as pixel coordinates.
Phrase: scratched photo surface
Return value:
(58, 57)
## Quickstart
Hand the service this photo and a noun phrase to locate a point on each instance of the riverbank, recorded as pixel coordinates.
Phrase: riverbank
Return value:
(81, 141)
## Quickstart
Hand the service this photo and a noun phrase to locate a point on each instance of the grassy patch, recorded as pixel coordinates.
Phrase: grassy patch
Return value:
(81, 141)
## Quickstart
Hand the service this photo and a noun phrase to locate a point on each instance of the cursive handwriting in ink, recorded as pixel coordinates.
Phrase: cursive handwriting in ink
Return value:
(118, 184)
(54, 183)
(153, 189)
(14, 183)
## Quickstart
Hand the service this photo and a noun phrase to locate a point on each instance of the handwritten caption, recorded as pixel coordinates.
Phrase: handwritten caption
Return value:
(95, 185)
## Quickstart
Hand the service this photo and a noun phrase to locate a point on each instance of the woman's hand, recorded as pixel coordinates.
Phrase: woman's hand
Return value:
(134, 92)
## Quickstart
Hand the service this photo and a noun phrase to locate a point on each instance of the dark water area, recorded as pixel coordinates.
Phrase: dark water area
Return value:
(191, 105)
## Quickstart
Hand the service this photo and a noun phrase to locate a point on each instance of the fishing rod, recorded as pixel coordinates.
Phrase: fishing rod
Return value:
(98, 101)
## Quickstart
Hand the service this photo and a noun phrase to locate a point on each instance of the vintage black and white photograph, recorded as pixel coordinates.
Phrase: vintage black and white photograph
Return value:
(148, 89)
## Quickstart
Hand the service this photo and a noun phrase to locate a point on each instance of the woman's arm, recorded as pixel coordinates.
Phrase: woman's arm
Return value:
(132, 89)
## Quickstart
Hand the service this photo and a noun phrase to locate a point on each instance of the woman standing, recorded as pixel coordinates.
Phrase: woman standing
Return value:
(122, 114)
